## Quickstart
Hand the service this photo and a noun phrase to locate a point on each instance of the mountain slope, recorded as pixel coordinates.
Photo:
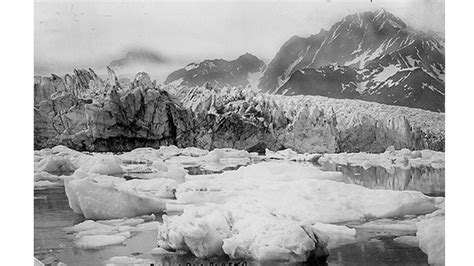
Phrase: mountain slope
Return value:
(242, 71)
(380, 47)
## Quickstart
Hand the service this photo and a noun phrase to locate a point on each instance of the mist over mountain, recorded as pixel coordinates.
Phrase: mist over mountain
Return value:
(138, 56)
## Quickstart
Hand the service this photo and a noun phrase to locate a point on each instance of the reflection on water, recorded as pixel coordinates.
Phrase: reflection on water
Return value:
(51, 214)
(426, 179)
(377, 251)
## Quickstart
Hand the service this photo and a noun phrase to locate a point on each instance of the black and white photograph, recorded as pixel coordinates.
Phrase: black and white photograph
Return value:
(237, 132)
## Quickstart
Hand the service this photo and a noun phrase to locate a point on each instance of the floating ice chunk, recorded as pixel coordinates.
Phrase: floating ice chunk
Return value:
(162, 251)
(194, 152)
(220, 188)
(160, 165)
(266, 239)
(168, 151)
(101, 164)
(390, 159)
(38, 176)
(175, 172)
(150, 226)
(61, 150)
(278, 186)
(291, 155)
(55, 165)
(200, 231)
(45, 184)
(105, 201)
(335, 235)
(407, 240)
(126, 261)
(430, 234)
(87, 226)
(139, 156)
(88, 234)
(99, 241)
(160, 187)
(217, 154)
(211, 230)
(407, 225)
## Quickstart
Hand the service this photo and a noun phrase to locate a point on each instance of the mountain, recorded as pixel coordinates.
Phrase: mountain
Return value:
(138, 56)
(243, 71)
(372, 56)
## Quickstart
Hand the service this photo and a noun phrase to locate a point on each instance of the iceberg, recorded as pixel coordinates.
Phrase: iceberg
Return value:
(54, 165)
(430, 234)
(97, 234)
(100, 164)
(124, 261)
(278, 186)
(109, 201)
(289, 154)
(389, 159)
(99, 241)
(211, 230)
(238, 212)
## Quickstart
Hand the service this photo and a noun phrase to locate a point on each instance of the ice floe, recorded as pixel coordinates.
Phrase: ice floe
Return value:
(431, 237)
(289, 154)
(125, 261)
(407, 240)
(98, 234)
(54, 165)
(234, 212)
(101, 164)
(277, 206)
(109, 200)
(389, 159)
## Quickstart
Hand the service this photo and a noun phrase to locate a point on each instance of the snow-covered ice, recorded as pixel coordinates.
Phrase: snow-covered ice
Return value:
(232, 212)
(126, 261)
(407, 240)
(277, 206)
(54, 165)
(101, 164)
(98, 234)
(431, 238)
(107, 200)
(389, 159)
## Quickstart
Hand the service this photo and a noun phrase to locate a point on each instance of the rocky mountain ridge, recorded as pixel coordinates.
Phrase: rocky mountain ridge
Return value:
(243, 71)
(381, 58)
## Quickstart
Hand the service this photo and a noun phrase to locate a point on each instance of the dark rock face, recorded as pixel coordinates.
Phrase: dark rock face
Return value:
(385, 61)
(218, 72)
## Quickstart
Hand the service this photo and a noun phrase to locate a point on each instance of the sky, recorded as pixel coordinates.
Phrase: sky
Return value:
(71, 34)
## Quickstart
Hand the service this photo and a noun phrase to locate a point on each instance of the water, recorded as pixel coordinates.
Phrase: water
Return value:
(426, 179)
(52, 213)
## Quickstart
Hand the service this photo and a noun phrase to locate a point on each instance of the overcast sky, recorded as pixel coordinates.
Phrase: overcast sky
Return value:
(91, 34)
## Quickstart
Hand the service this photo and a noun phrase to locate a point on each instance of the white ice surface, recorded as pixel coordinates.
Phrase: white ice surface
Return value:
(107, 200)
(431, 238)
(234, 212)
(126, 261)
(97, 234)
(389, 159)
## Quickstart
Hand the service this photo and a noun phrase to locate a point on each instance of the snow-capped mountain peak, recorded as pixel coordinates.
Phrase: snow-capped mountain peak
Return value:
(391, 58)
(243, 71)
